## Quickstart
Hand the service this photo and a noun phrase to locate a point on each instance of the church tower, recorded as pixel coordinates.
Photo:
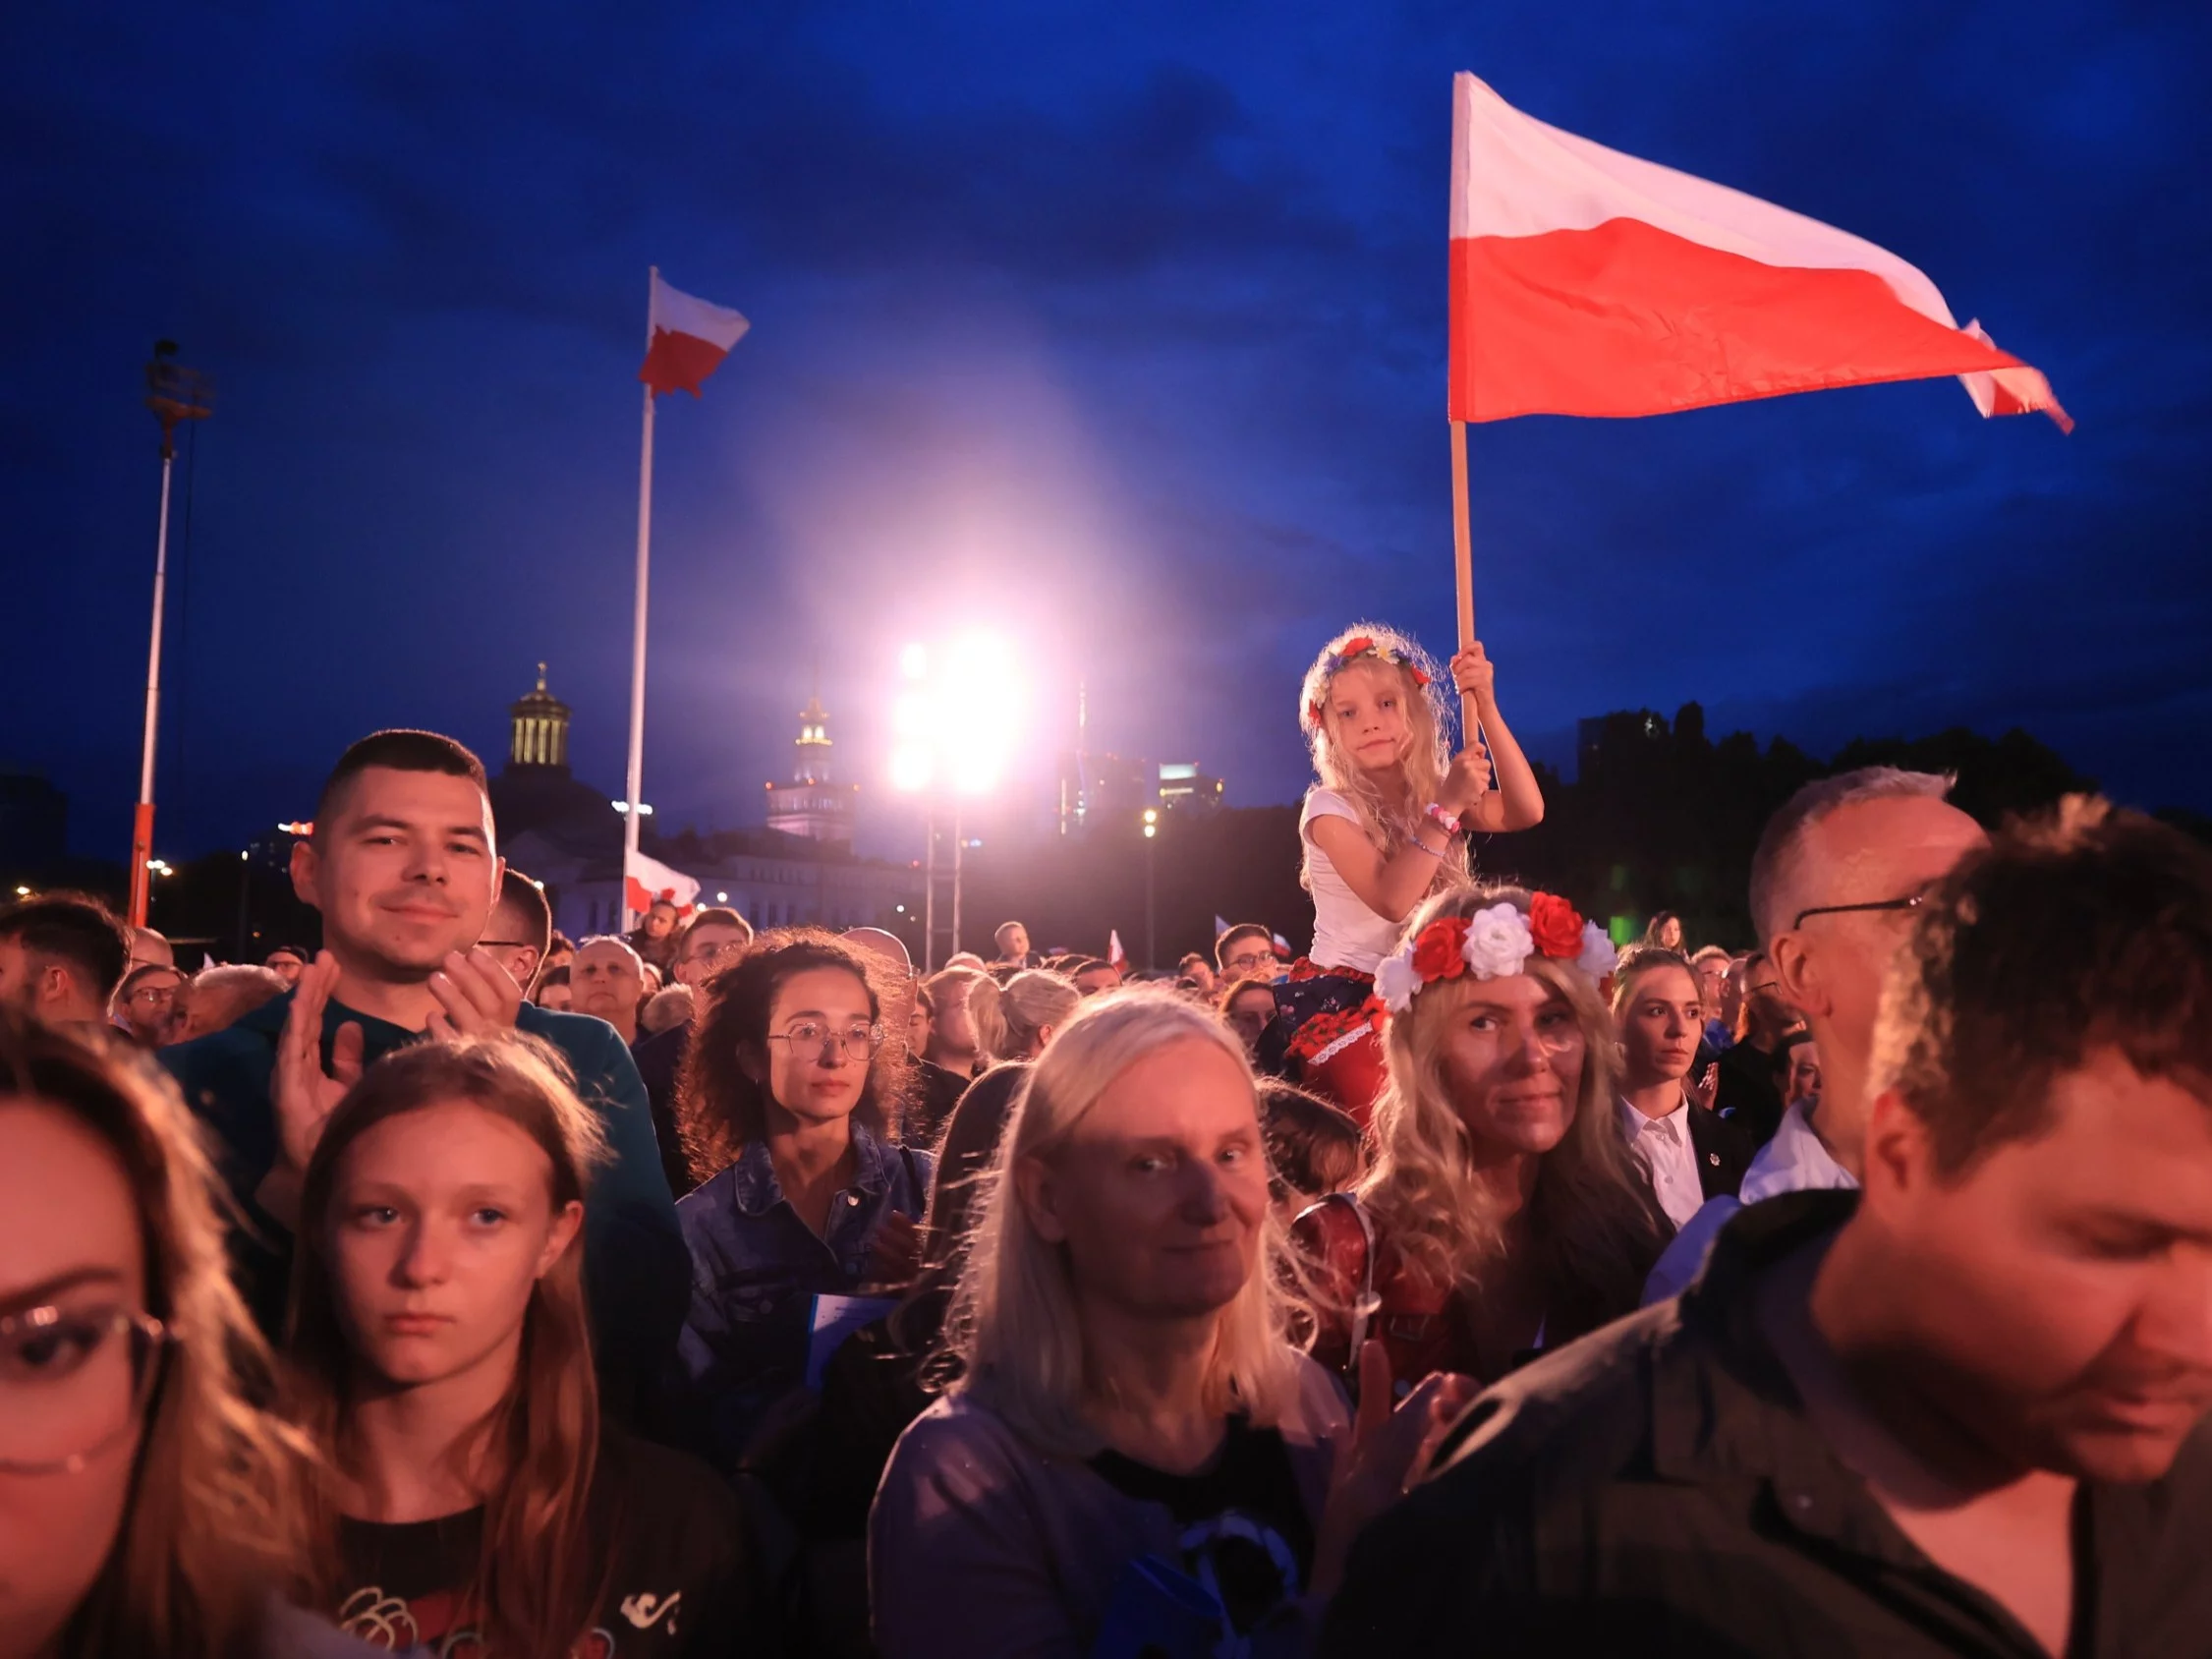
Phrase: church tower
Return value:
(539, 736)
(811, 804)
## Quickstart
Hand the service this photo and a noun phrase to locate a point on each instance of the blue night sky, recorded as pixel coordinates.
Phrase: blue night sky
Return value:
(1118, 327)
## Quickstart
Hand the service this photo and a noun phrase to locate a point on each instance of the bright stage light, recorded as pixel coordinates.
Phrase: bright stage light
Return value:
(957, 723)
(911, 767)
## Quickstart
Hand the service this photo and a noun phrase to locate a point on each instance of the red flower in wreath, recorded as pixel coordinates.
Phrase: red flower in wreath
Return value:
(1555, 925)
(1420, 678)
(1353, 646)
(1441, 952)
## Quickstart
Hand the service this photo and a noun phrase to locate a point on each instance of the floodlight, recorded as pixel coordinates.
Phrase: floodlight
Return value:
(914, 662)
(911, 766)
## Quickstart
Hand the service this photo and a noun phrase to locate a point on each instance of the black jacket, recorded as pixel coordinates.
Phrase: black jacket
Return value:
(1656, 1489)
(1725, 1148)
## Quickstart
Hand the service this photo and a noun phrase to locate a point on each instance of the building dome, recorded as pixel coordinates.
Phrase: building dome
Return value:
(539, 736)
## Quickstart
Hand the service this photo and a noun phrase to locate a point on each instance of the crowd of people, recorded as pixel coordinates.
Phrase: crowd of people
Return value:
(1469, 1284)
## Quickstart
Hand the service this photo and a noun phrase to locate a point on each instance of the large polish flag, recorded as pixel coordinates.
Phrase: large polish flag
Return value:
(690, 339)
(1587, 282)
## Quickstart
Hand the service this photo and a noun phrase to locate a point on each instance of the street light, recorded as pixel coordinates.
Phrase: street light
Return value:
(953, 728)
(1151, 941)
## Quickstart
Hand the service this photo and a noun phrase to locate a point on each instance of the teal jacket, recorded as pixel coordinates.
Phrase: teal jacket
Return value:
(637, 1269)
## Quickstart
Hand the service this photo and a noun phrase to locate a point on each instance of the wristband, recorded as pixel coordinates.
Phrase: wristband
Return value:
(1443, 819)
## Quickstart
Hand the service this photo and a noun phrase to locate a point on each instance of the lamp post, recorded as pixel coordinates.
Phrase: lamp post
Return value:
(1151, 933)
(175, 394)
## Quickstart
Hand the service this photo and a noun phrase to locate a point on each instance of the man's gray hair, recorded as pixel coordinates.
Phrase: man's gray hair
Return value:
(1775, 866)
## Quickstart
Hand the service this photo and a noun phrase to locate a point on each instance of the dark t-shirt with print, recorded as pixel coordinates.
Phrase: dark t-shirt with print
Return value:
(1246, 1534)
(668, 1531)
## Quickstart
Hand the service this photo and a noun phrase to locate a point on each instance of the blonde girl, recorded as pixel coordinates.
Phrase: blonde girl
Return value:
(1383, 827)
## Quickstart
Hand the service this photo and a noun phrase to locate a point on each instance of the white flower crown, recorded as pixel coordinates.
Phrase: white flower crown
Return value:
(1494, 942)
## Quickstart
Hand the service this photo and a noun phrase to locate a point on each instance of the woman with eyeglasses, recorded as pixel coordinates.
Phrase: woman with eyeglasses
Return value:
(147, 1505)
(803, 1190)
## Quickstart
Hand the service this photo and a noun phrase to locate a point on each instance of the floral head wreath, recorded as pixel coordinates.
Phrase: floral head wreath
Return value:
(1494, 943)
(1357, 646)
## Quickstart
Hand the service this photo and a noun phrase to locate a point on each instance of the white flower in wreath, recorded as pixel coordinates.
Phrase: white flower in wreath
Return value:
(1598, 958)
(1497, 941)
(1396, 982)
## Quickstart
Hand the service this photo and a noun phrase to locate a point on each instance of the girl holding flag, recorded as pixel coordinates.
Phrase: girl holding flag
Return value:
(1384, 827)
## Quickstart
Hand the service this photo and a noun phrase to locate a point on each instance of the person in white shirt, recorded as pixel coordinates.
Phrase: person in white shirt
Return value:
(1666, 1117)
(1836, 877)
(1383, 830)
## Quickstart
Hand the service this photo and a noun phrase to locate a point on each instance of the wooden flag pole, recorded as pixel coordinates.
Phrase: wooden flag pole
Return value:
(1463, 565)
(635, 777)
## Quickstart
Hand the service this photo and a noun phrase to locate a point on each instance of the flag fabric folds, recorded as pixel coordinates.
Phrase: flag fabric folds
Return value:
(646, 880)
(1114, 955)
(1589, 282)
(690, 339)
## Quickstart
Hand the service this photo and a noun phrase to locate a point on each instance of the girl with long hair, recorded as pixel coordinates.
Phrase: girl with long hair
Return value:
(803, 1190)
(1502, 1213)
(1384, 826)
(472, 1496)
(1132, 1457)
(147, 1504)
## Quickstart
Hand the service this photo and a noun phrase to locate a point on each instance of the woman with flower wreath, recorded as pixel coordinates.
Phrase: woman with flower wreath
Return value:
(1503, 1213)
(1384, 828)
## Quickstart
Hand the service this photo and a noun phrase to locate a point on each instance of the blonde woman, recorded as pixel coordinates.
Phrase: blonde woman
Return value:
(1032, 1006)
(147, 1505)
(1132, 1457)
(1382, 828)
(1503, 1213)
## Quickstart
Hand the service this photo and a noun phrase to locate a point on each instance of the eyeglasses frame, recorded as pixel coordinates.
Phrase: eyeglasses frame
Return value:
(157, 1336)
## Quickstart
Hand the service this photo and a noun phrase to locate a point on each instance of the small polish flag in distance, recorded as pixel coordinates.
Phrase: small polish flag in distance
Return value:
(1115, 956)
(690, 339)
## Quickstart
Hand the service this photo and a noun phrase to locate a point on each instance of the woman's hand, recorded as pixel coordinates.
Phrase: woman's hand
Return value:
(1387, 1452)
(894, 1254)
(1703, 1091)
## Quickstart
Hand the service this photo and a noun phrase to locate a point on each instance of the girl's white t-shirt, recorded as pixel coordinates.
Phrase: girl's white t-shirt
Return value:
(1347, 932)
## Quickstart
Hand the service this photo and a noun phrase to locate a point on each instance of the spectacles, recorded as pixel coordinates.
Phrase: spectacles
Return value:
(151, 994)
(709, 952)
(1250, 961)
(508, 943)
(1913, 901)
(831, 1045)
(72, 1382)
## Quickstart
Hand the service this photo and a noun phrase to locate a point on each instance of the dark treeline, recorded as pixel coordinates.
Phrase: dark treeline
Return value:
(1661, 817)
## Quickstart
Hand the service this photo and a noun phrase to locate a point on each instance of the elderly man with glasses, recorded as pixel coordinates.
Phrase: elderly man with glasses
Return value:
(1835, 883)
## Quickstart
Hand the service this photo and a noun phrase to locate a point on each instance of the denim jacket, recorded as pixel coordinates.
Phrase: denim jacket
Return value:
(756, 1268)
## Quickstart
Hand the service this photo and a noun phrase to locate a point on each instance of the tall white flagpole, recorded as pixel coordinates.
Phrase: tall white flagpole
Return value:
(637, 632)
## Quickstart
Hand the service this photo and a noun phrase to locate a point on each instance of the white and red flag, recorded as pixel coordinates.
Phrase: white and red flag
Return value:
(646, 881)
(1115, 956)
(1588, 282)
(690, 339)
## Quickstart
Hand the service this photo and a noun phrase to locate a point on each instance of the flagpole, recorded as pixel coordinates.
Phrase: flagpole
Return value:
(1463, 565)
(142, 827)
(638, 630)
